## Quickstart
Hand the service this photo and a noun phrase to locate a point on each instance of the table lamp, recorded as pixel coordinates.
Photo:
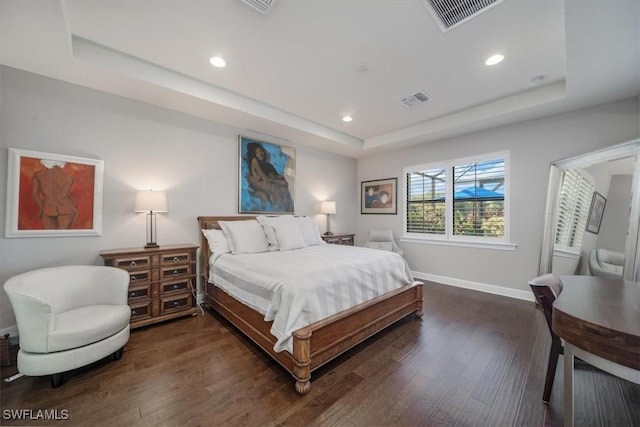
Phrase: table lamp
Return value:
(328, 207)
(151, 202)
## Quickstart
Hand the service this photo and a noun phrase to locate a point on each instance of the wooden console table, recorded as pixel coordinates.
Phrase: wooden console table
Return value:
(599, 320)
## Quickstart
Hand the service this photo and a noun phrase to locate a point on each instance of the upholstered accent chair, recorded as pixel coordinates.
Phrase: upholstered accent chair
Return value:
(606, 263)
(69, 317)
(383, 239)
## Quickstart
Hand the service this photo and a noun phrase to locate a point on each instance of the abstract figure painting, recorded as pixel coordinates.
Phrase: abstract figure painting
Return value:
(267, 177)
(378, 196)
(53, 195)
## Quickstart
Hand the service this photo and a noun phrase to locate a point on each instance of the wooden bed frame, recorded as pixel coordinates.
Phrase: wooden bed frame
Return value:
(319, 342)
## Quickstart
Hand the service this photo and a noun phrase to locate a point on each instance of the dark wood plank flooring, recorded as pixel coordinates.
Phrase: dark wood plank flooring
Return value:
(473, 360)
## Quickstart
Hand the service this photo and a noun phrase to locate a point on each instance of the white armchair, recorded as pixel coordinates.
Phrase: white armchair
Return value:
(383, 239)
(69, 317)
(606, 263)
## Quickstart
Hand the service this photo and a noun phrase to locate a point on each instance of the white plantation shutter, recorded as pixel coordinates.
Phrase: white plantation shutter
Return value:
(426, 191)
(573, 209)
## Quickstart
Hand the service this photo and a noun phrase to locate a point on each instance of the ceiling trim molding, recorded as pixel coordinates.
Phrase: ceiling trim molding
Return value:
(479, 113)
(120, 62)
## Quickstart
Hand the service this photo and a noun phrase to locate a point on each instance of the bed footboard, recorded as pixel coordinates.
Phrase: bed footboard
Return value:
(322, 341)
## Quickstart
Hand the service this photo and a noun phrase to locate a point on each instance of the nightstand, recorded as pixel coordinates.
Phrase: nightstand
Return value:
(340, 239)
(163, 281)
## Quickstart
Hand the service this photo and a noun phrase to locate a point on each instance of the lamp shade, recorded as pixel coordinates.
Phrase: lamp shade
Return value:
(151, 201)
(328, 207)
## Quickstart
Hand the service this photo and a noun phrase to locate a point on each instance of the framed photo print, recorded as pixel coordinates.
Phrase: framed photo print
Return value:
(267, 177)
(379, 196)
(598, 203)
(53, 195)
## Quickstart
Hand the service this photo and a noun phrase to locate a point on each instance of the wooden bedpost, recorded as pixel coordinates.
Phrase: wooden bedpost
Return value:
(302, 360)
(419, 302)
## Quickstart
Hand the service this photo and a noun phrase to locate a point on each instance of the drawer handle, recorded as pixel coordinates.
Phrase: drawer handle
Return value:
(175, 286)
(176, 259)
(133, 278)
(133, 264)
(132, 294)
(133, 312)
(175, 272)
(176, 304)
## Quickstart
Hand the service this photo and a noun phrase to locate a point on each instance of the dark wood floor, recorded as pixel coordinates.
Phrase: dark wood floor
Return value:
(474, 360)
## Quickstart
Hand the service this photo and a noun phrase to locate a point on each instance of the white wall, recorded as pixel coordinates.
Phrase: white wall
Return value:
(194, 160)
(615, 221)
(533, 145)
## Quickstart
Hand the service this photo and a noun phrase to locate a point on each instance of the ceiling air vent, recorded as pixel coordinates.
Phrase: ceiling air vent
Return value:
(415, 99)
(262, 6)
(451, 13)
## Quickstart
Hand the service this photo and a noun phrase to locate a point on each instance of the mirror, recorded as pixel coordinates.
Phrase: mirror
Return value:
(593, 210)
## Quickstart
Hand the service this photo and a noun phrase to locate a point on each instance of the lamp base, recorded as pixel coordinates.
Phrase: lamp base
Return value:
(328, 233)
(151, 245)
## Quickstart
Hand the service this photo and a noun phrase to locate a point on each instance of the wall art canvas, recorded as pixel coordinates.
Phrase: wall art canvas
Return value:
(598, 203)
(379, 196)
(52, 195)
(267, 177)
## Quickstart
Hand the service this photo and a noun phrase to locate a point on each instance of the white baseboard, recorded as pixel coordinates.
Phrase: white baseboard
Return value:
(11, 330)
(476, 286)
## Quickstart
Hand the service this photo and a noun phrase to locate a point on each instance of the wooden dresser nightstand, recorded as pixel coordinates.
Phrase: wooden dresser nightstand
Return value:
(163, 281)
(340, 239)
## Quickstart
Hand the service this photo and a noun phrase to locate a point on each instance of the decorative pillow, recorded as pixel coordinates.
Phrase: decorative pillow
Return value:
(309, 231)
(245, 237)
(385, 246)
(288, 233)
(267, 223)
(217, 242)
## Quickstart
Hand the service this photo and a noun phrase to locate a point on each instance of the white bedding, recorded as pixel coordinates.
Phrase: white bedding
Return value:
(296, 288)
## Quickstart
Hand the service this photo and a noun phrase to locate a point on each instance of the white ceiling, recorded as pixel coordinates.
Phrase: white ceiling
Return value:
(293, 73)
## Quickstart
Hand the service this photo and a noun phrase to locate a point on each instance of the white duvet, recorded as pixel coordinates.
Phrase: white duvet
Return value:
(296, 288)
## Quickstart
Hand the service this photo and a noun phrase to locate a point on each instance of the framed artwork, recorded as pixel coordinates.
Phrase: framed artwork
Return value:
(598, 202)
(52, 195)
(379, 196)
(267, 177)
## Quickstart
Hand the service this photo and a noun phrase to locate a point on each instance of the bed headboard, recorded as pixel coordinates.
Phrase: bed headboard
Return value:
(211, 223)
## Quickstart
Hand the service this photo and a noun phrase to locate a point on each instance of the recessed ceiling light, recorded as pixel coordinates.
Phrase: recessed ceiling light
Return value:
(216, 61)
(347, 118)
(494, 59)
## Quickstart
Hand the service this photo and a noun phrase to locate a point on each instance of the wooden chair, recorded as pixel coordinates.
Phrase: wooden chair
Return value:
(546, 289)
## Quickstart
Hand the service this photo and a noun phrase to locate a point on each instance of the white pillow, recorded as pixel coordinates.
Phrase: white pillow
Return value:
(217, 242)
(245, 237)
(289, 236)
(268, 223)
(270, 233)
(309, 231)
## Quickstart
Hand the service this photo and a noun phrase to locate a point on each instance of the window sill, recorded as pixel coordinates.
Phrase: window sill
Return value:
(566, 254)
(481, 245)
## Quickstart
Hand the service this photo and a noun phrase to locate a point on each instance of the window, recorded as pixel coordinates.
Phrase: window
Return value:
(573, 209)
(426, 191)
(461, 199)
